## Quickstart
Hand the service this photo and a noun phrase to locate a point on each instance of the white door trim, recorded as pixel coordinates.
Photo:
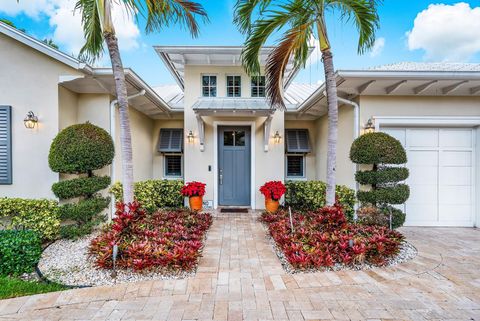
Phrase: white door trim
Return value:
(445, 121)
(215, 158)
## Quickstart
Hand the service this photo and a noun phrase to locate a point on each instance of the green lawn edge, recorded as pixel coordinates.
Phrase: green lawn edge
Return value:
(12, 287)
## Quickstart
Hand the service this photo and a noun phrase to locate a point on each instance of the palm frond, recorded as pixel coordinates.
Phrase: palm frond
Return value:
(294, 44)
(365, 17)
(244, 10)
(92, 28)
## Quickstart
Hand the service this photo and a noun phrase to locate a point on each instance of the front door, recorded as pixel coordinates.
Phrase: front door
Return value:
(234, 165)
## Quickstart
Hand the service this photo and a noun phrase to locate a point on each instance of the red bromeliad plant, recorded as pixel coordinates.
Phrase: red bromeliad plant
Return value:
(324, 238)
(163, 240)
(273, 190)
(193, 189)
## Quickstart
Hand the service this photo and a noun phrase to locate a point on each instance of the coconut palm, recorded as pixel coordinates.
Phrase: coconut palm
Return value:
(300, 20)
(98, 28)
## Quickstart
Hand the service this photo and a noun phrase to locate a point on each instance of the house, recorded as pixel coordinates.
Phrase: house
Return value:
(215, 126)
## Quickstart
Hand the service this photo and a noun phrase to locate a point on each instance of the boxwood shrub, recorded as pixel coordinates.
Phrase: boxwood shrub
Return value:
(39, 215)
(310, 196)
(20, 251)
(154, 194)
(80, 186)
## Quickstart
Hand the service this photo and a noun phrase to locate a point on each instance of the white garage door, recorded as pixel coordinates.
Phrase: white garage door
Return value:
(441, 164)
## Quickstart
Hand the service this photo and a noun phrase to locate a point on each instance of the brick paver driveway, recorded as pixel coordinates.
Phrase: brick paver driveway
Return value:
(240, 277)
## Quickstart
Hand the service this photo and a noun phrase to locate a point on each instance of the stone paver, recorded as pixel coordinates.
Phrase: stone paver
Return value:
(240, 278)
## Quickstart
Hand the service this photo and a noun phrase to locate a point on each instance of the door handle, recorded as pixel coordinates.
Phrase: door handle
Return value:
(220, 177)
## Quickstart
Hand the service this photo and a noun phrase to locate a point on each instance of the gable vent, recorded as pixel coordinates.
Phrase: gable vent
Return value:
(298, 141)
(5, 145)
(170, 140)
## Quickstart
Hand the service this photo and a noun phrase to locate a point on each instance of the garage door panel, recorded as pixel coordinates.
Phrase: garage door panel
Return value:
(456, 158)
(456, 176)
(420, 212)
(422, 176)
(456, 138)
(422, 137)
(423, 194)
(454, 213)
(454, 195)
(422, 158)
(398, 133)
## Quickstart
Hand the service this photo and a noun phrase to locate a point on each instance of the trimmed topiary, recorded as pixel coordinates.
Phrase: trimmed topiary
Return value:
(81, 149)
(381, 150)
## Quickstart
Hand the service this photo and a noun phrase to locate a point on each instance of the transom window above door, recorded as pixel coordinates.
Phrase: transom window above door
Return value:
(234, 138)
(258, 86)
(234, 85)
(209, 86)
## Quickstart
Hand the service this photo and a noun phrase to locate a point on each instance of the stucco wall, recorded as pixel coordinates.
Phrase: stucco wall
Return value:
(67, 107)
(310, 160)
(29, 81)
(268, 165)
(158, 171)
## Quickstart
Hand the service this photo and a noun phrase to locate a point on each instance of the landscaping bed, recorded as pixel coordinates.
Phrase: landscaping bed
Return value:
(323, 240)
(164, 244)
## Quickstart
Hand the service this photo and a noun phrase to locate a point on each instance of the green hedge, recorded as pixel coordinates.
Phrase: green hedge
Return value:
(310, 195)
(377, 148)
(385, 195)
(20, 251)
(382, 176)
(39, 215)
(154, 194)
(80, 186)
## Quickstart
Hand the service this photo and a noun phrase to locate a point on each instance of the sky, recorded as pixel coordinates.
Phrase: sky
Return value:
(411, 30)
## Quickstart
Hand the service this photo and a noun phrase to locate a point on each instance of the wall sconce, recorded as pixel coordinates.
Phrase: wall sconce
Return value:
(190, 137)
(370, 126)
(30, 120)
(277, 137)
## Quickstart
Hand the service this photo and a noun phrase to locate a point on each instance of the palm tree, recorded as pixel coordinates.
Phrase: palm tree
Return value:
(302, 20)
(99, 29)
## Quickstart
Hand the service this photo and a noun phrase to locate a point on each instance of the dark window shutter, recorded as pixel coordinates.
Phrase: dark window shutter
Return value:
(5, 145)
(298, 141)
(170, 140)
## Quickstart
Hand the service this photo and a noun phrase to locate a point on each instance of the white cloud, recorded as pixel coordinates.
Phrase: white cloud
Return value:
(446, 32)
(377, 48)
(66, 24)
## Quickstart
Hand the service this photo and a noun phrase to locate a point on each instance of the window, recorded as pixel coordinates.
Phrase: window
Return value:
(258, 86)
(5, 145)
(234, 84)
(173, 165)
(209, 86)
(295, 165)
(234, 138)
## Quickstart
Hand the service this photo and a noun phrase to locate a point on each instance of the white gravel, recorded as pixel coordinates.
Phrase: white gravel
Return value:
(67, 262)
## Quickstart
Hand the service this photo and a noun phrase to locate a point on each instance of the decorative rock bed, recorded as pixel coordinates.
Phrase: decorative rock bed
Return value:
(67, 262)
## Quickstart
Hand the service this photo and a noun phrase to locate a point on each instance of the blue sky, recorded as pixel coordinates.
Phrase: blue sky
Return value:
(439, 31)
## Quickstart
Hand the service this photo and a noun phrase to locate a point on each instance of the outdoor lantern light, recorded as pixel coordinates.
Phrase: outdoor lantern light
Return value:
(369, 126)
(277, 137)
(190, 137)
(30, 120)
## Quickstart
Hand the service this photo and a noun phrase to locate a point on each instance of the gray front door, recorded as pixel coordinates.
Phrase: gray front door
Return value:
(234, 166)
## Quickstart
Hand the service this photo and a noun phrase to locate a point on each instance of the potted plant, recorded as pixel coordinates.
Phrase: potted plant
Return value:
(194, 191)
(272, 191)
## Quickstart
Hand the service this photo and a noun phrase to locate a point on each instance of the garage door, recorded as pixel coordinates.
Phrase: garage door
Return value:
(441, 164)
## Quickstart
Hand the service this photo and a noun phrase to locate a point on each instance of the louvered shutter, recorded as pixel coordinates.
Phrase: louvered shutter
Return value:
(298, 141)
(170, 140)
(5, 145)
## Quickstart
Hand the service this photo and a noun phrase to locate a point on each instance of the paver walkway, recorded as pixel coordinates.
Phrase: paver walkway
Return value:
(240, 277)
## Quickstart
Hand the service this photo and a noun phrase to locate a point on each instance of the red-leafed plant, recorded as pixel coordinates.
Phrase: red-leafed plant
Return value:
(324, 238)
(164, 240)
(273, 190)
(193, 189)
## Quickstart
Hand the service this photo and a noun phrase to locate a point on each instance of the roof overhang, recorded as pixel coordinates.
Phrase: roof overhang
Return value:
(232, 107)
(354, 83)
(176, 58)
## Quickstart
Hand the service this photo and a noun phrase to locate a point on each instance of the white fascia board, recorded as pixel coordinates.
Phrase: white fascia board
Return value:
(410, 75)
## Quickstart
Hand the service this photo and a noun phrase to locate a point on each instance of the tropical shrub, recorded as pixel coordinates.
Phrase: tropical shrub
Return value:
(310, 196)
(20, 251)
(371, 215)
(39, 215)
(324, 238)
(81, 149)
(273, 190)
(154, 194)
(193, 189)
(164, 240)
(381, 150)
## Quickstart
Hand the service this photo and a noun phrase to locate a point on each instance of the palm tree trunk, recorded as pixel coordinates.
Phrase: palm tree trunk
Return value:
(125, 132)
(332, 101)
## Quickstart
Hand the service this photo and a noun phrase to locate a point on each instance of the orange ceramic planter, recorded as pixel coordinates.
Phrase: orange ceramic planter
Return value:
(196, 203)
(271, 205)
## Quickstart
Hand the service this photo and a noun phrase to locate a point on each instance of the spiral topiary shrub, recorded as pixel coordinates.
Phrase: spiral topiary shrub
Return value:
(381, 150)
(81, 149)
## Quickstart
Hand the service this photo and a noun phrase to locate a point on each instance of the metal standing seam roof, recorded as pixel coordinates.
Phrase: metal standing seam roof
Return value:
(427, 66)
(246, 104)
